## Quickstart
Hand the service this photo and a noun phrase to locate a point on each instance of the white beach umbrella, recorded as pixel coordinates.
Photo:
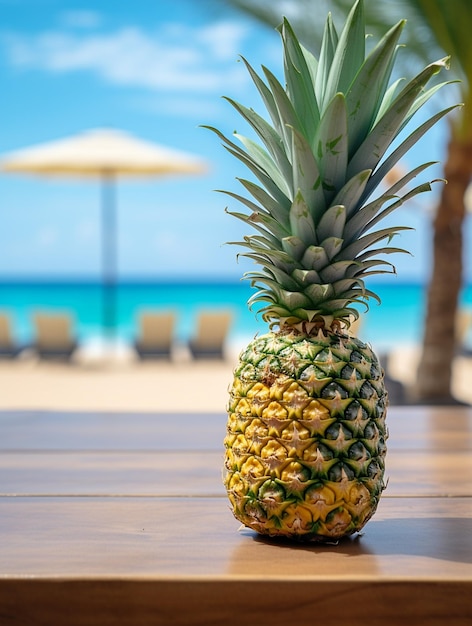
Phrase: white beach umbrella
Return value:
(105, 154)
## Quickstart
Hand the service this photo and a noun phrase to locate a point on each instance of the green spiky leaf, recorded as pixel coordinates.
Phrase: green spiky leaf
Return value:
(336, 130)
(348, 56)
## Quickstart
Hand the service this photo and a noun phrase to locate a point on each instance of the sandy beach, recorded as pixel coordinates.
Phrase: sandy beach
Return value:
(127, 384)
(115, 385)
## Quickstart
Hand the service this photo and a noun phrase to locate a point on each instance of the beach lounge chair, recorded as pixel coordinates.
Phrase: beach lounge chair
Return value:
(156, 334)
(210, 334)
(54, 335)
(8, 346)
(463, 329)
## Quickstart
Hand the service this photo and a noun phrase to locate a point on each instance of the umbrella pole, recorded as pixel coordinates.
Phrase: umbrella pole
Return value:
(109, 254)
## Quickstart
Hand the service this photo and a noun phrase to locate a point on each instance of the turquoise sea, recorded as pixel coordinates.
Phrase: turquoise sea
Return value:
(398, 320)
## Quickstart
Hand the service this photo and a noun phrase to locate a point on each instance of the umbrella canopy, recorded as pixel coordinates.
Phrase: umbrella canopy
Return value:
(101, 151)
(104, 154)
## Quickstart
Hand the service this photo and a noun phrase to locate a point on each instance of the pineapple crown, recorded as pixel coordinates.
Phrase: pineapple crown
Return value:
(318, 163)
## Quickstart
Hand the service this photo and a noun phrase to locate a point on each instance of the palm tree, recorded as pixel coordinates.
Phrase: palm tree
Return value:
(447, 25)
(450, 22)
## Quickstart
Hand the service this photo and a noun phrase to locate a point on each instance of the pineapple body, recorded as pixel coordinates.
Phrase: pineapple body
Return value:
(306, 434)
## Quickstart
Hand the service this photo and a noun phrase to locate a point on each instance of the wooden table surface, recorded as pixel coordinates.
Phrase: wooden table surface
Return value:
(110, 519)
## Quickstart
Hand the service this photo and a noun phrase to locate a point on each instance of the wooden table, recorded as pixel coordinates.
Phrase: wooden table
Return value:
(122, 519)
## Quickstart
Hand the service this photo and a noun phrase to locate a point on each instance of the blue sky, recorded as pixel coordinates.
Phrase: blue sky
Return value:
(158, 70)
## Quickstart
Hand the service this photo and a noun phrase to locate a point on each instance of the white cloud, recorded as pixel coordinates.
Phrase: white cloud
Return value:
(222, 39)
(175, 57)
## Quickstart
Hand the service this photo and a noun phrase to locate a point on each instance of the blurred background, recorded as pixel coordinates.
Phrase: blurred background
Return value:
(158, 70)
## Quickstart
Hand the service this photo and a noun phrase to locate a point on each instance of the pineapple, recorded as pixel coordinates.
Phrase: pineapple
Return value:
(306, 434)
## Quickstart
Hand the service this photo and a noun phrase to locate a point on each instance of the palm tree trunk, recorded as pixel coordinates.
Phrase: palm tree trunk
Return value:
(434, 380)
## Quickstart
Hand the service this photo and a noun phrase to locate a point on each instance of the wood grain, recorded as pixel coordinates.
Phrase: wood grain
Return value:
(182, 561)
(112, 519)
(199, 473)
(190, 473)
(411, 428)
(111, 431)
(233, 603)
(409, 539)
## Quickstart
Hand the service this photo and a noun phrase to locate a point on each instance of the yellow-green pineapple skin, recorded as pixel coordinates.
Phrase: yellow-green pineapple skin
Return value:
(306, 433)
